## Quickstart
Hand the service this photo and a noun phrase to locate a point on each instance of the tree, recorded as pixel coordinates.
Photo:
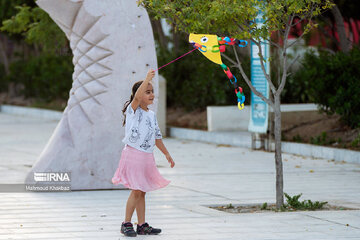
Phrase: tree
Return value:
(332, 25)
(345, 43)
(343, 11)
(7, 9)
(37, 27)
(24, 21)
(236, 19)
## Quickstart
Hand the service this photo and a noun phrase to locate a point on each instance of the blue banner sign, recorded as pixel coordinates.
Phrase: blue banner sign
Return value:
(259, 112)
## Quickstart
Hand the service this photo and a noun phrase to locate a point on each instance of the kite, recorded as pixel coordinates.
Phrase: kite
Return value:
(211, 46)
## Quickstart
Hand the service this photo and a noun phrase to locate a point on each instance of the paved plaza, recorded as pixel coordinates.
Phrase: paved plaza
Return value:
(205, 174)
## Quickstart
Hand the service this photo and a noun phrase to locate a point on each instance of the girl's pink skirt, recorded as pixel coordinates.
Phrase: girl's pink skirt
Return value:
(137, 171)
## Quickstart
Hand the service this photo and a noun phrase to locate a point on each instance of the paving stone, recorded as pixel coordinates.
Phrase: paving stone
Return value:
(205, 174)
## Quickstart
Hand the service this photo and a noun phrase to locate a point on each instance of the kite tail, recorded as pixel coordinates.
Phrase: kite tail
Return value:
(223, 42)
(238, 90)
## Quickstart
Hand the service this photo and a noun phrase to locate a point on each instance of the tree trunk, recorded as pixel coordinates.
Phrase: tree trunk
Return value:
(176, 40)
(37, 50)
(344, 41)
(156, 25)
(278, 160)
(3, 55)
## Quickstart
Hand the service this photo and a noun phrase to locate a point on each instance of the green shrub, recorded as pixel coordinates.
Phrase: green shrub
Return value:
(264, 206)
(229, 206)
(296, 89)
(356, 141)
(297, 138)
(319, 140)
(293, 203)
(334, 83)
(46, 77)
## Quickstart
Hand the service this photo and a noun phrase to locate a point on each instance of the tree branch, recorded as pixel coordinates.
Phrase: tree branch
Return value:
(242, 28)
(248, 82)
(298, 22)
(156, 25)
(267, 76)
(274, 44)
(308, 15)
(283, 79)
(278, 60)
(300, 37)
(292, 63)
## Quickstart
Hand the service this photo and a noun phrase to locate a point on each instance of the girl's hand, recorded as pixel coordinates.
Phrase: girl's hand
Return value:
(150, 74)
(170, 160)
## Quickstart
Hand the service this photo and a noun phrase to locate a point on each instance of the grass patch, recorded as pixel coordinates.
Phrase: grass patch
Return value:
(292, 204)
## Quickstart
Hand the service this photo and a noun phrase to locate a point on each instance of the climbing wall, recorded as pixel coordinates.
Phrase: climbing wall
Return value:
(113, 47)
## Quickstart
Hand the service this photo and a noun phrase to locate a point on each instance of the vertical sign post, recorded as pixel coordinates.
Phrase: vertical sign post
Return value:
(259, 111)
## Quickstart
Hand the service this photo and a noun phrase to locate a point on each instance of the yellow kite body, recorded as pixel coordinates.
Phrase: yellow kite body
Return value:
(210, 46)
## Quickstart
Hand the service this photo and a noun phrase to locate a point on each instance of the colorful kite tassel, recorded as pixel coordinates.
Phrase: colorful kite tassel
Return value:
(229, 74)
(222, 48)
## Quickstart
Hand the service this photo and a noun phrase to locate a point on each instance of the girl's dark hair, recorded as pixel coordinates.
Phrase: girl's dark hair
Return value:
(133, 91)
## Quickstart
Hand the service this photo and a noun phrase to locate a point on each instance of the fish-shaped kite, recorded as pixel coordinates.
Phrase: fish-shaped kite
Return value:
(211, 46)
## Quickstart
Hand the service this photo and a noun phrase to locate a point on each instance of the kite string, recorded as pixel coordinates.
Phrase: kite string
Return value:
(176, 59)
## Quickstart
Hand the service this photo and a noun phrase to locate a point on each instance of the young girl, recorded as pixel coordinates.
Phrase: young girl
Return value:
(137, 169)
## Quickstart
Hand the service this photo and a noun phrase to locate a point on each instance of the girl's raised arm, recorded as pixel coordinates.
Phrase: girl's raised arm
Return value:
(141, 90)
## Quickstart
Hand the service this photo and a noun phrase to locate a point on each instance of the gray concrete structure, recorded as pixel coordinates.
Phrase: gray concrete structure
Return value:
(229, 118)
(205, 174)
(113, 47)
(243, 139)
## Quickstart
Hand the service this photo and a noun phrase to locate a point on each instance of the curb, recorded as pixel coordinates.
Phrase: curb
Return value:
(232, 138)
(309, 150)
(31, 112)
(243, 139)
